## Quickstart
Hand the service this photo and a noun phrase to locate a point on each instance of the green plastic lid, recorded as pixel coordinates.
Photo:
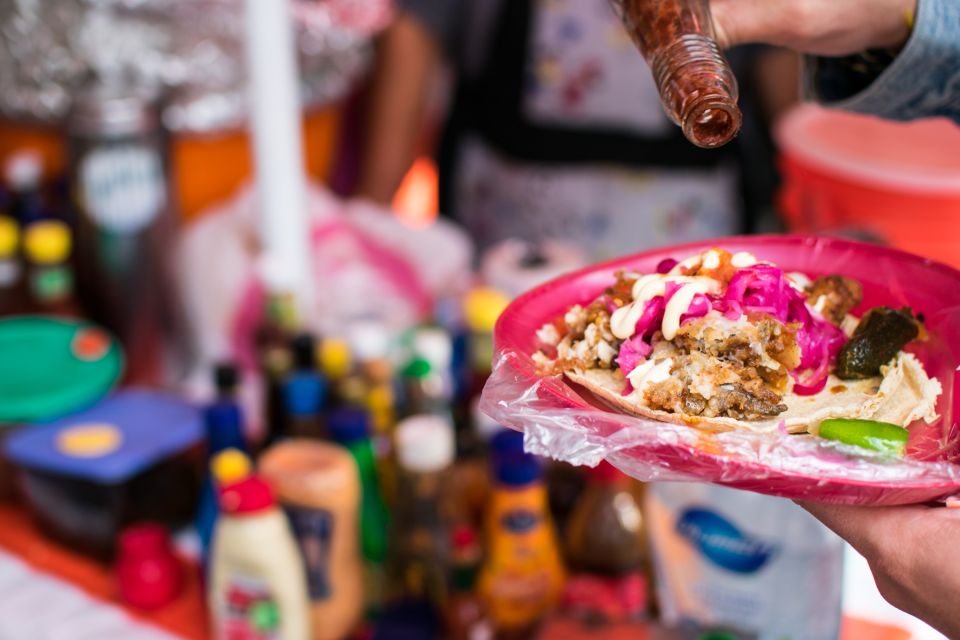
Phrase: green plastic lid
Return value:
(52, 366)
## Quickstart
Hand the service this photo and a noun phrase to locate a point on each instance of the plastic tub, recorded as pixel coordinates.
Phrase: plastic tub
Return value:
(134, 457)
(848, 174)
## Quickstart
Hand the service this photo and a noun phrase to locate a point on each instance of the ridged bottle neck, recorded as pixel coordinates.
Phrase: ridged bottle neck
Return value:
(698, 89)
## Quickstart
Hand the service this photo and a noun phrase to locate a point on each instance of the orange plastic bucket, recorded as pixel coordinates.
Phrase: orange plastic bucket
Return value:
(857, 175)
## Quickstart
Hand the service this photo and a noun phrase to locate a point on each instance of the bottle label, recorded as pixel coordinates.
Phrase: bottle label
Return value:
(313, 529)
(123, 186)
(52, 284)
(520, 521)
(615, 599)
(250, 611)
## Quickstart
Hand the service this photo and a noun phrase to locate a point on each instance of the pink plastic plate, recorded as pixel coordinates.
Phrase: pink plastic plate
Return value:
(562, 421)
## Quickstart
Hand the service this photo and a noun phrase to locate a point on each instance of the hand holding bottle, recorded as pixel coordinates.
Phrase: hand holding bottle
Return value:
(821, 27)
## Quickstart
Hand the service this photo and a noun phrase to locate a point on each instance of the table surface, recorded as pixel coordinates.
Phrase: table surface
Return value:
(186, 617)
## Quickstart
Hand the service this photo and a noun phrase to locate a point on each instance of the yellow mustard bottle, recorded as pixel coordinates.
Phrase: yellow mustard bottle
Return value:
(523, 575)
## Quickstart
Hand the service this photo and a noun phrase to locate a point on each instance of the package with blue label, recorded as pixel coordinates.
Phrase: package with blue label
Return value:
(133, 457)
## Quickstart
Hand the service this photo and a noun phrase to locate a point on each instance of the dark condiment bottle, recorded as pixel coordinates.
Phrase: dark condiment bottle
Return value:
(417, 562)
(606, 547)
(223, 422)
(23, 173)
(697, 86)
(465, 613)
(12, 292)
(274, 358)
(126, 224)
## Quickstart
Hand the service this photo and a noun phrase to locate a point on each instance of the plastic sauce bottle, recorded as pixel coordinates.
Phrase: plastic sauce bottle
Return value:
(274, 357)
(697, 86)
(606, 545)
(351, 428)
(418, 559)
(465, 614)
(522, 577)
(318, 485)
(258, 587)
(47, 245)
(223, 420)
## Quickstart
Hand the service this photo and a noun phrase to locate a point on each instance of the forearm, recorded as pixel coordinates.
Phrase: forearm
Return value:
(922, 80)
(406, 58)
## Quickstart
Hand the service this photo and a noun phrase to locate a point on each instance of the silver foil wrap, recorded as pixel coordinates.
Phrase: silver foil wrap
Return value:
(188, 52)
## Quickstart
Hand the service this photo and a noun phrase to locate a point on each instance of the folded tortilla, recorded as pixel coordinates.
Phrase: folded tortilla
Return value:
(901, 395)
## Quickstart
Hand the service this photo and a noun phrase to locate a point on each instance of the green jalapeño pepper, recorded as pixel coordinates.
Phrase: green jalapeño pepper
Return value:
(869, 434)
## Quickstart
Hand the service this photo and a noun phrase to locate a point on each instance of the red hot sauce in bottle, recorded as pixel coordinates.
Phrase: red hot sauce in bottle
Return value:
(697, 87)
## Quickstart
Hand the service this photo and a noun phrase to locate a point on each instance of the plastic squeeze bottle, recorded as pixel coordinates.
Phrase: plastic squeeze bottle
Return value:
(697, 86)
(318, 485)
(258, 587)
(351, 428)
(523, 575)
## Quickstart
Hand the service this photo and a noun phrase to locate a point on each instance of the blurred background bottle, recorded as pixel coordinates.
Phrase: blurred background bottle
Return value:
(47, 247)
(318, 485)
(606, 547)
(419, 539)
(118, 165)
(351, 428)
(523, 575)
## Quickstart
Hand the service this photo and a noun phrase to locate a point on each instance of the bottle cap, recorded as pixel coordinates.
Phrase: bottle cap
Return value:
(506, 442)
(304, 393)
(249, 495)
(368, 340)
(23, 170)
(518, 470)
(424, 443)
(335, 358)
(482, 307)
(9, 236)
(605, 473)
(348, 425)
(230, 466)
(434, 345)
(304, 349)
(47, 242)
(225, 377)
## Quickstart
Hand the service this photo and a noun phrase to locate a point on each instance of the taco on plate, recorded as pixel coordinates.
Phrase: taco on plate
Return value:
(724, 341)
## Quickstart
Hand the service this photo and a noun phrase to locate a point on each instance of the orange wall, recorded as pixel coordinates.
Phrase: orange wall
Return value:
(206, 169)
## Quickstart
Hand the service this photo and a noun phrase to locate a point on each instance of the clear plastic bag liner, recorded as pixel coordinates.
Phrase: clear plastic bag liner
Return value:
(562, 421)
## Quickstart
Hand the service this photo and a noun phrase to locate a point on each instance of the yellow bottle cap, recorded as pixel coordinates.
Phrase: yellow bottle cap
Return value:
(482, 307)
(47, 242)
(230, 465)
(335, 358)
(9, 236)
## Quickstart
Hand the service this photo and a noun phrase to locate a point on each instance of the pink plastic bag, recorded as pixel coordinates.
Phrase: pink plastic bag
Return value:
(561, 421)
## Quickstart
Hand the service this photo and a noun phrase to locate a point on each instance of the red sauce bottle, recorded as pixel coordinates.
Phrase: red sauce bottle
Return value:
(696, 84)
(149, 575)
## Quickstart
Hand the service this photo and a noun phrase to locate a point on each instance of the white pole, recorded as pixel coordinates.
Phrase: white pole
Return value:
(274, 108)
